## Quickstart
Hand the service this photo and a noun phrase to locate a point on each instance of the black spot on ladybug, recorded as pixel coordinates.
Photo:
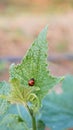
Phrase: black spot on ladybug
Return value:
(31, 82)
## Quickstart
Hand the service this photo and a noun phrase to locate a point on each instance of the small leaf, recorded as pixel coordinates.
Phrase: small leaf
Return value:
(4, 92)
(19, 94)
(57, 109)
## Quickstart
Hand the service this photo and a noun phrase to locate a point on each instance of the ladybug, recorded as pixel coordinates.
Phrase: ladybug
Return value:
(31, 82)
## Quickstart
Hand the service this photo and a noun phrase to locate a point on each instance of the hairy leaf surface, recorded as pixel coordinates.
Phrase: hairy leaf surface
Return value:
(34, 65)
(4, 92)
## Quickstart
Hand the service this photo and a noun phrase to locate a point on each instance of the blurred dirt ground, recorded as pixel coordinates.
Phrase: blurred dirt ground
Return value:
(19, 31)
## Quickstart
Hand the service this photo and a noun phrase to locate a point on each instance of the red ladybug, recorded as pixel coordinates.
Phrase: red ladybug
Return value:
(31, 82)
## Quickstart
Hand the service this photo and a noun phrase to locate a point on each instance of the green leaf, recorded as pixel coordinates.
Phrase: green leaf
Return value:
(13, 122)
(34, 65)
(12, 114)
(41, 125)
(57, 109)
(4, 92)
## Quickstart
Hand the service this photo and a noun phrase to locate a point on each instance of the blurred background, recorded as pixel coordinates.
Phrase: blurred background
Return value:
(20, 23)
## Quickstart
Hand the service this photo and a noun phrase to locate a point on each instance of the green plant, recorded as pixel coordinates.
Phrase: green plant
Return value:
(26, 102)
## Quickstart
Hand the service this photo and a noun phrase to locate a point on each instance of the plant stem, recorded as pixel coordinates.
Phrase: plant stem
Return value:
(34, 127)
(33, 118)
(34, 122)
